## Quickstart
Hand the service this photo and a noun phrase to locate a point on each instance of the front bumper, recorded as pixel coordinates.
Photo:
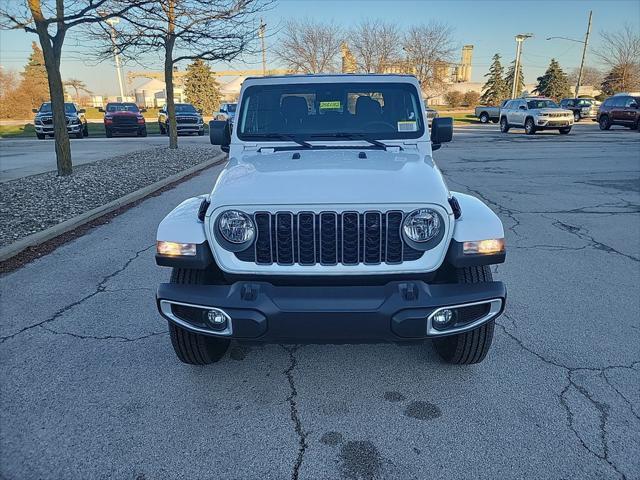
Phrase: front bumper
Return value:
(542, 122)
(190, 127)
(48, 129)
(395, 312)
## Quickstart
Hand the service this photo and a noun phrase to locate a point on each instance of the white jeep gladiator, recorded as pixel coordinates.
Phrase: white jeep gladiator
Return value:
(331, 223)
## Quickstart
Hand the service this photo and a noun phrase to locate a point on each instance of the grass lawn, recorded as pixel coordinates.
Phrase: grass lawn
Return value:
(95, 130)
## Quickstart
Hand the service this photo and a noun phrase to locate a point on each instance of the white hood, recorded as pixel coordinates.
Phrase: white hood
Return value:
(330, 177)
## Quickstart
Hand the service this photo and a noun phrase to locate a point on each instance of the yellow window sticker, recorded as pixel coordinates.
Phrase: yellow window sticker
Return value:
(407, 126)
(331, 105)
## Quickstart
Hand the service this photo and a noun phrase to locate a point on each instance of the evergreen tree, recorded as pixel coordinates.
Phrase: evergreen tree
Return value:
(554, 83)
(201, 87)
(509, 79)
(34, 86)
(495, 90)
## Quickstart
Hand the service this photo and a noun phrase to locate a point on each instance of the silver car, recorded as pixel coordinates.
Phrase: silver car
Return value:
(535, 113)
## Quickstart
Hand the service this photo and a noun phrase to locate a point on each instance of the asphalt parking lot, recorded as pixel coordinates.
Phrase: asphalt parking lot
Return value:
(21, 157)
(90, 387)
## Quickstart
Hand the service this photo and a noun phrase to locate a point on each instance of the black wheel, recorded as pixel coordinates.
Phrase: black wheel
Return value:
(80, 134)
(108, 132)
(201, 132)
(193, 348)
(162, 131)
(604, 123)
(529, 126)
(469, 347)
(565, 131)
(85, 130)
(142, 132)
(484, 117)
(41, 136)
(576, 117)
(504, 125)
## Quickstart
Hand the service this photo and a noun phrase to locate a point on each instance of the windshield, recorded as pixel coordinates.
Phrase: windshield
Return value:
(231, 107)
(542, 104)
(330, 110)
(68, 108)
(185, 108)
(584, 103)
(122, 107)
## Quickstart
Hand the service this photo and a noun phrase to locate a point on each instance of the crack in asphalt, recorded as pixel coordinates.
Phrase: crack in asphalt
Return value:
(106, 337)
(602, 408)
(295, 415)
(583, 234)
(100, 288)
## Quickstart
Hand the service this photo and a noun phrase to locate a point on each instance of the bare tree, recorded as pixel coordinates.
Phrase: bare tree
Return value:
(429, 50)
(51, 20)
(184, 30)
(590, 76)
(78, 86)
(375, 45)
(308, 46)
(619, 51)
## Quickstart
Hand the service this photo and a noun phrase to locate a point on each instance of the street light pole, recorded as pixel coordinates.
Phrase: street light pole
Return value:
(112, 33)
(584, 53)
(516, 70)
(261, 30)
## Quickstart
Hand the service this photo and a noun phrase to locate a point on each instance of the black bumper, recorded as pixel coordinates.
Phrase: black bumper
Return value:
(394, 312)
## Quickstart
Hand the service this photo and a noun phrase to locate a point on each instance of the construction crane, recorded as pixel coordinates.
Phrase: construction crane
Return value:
(177, 75)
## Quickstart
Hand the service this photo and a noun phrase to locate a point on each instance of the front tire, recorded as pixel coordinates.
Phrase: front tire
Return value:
(484, 117)
(529, 126)
(604, 123)
(162, 130)
(194, 348)
(108, 132)
(504, 125)
(565, 131)
(142, 132)
(469, 347)
(577, 117)
(85, 130)
(41, 136)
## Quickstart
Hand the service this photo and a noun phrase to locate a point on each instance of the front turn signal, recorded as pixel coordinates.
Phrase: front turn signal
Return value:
(174, 249)
(484, 247)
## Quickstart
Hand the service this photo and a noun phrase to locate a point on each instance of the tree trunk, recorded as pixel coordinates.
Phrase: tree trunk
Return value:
(171, 105)
(52, 51)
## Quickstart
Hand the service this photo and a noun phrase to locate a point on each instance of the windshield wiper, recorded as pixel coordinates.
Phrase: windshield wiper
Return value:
(356, 136)
(284, 136)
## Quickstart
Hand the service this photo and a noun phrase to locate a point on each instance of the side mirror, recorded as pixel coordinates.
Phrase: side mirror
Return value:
(100, 109)
(441, 131)
(200, 111)
(220, 134)
(143, 110)
(82, 110)
(522, 107)
(34, 110)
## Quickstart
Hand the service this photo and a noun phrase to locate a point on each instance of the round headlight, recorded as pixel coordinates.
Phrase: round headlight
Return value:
(236, 227)
(421, 225)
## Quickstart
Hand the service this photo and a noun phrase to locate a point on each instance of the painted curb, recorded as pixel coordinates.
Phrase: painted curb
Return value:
(63, 227)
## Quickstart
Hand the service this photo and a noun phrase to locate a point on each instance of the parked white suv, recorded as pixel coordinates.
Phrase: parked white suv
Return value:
(331, 223)
(535, 113)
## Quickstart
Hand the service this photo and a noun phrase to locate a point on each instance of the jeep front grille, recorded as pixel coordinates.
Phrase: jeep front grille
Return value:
(329, 238)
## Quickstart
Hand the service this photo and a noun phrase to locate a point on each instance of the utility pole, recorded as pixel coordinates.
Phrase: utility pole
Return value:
(261, 30)
(516, 68)
(584, 53)
(112, 33)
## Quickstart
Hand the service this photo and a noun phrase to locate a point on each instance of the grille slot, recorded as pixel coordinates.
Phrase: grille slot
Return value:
(329, 238)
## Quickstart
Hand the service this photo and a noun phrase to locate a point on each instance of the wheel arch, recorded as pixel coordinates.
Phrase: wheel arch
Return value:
(477, 222)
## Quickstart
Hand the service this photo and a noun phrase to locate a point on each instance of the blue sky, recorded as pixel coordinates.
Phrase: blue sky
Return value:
(488, 25)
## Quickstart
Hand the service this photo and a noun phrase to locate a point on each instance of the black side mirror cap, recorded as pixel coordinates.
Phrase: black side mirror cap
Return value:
(34, 110)
(82, 110)
(101, 109)
(441, 131)
(143, 110)
(220, 134)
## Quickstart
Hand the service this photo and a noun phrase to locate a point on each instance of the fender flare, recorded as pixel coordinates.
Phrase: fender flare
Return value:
(182, 225)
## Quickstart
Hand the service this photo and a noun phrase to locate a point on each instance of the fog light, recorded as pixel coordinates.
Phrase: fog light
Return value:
(217, 319)
(443, 318)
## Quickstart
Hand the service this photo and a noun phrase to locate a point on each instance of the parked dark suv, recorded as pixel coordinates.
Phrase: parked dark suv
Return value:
(124, 118)
(621, 109)
(581, 107)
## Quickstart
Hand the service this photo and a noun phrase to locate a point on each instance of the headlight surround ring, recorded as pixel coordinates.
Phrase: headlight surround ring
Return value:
(235, 230)
(423, 228)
